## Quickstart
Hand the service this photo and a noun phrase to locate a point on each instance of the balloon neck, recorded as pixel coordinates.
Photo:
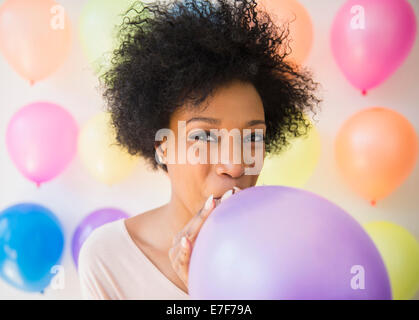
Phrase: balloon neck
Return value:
(38, 185)
(31, 82)
(373, 202)
(364, 92)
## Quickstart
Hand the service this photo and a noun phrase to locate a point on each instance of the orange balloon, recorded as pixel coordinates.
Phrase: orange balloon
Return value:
(300, 25)
(376, 150)
(35, 37)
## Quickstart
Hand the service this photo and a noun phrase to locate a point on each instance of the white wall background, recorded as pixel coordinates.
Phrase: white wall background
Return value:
(74, 193)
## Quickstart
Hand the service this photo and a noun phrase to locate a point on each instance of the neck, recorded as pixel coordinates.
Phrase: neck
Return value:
(175, 215)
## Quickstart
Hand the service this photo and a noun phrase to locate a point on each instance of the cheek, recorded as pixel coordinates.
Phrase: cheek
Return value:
(189, 180)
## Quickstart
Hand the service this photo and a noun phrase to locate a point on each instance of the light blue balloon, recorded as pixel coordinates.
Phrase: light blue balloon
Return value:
(31, 243)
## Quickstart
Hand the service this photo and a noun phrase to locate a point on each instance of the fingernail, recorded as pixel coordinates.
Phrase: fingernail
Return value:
(227, 194)
(236, 189)
(208, 203)
(183, 242)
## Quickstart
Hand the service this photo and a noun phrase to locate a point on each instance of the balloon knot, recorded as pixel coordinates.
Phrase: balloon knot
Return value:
(364, 92)
(373, 202)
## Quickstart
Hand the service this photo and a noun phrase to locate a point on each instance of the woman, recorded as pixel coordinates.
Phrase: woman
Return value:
(203, 67)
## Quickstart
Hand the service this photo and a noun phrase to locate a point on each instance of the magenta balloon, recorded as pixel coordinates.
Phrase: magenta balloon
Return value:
(371, 38)
(276, 242)
(91, 222)
(42, 140)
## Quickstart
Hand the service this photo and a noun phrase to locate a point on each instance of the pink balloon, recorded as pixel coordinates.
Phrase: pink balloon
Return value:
(42, 140)
(371, 38)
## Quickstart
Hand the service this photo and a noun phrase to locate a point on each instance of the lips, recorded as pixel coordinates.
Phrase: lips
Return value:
(235, 190)
(219, 198)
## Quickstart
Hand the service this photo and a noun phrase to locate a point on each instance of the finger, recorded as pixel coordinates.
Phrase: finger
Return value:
(196, 225)
(183, 258)
(174, 250)
(227, 194)
(173, 253)
(236, 189)
(198, 220)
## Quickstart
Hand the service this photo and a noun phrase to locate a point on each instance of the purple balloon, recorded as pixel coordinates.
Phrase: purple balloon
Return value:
(277, 242)
(91, 222)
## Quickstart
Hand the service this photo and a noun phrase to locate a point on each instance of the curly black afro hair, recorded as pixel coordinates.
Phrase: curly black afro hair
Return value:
(178, 53)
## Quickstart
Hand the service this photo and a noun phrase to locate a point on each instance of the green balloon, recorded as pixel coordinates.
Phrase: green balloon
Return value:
(98, 29)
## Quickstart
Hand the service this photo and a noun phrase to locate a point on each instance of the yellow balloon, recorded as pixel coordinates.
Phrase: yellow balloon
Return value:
(400, 252)
(98, 27)
(100, 154)
(295, 165)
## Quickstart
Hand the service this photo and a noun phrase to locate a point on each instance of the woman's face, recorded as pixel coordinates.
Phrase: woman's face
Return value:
(210, 165)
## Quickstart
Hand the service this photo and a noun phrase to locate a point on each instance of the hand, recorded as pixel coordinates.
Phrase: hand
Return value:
(183, 242)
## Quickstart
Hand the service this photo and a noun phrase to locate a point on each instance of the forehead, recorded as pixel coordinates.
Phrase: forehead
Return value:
(235, 104)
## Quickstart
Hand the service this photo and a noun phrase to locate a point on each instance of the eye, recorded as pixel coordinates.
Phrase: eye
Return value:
(254, 137)
(202, 135)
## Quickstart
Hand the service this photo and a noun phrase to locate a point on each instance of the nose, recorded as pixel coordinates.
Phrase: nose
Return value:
(232, 168)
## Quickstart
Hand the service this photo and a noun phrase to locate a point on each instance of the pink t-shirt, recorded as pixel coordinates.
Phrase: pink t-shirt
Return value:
(111, 266)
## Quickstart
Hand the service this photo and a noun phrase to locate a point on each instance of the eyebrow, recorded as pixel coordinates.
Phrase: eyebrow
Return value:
(217, 121)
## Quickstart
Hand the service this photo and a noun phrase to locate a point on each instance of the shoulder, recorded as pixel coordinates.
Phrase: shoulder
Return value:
(96, 257)
(101, 241)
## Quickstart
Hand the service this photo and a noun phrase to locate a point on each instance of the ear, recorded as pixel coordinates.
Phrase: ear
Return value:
(161, 152)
